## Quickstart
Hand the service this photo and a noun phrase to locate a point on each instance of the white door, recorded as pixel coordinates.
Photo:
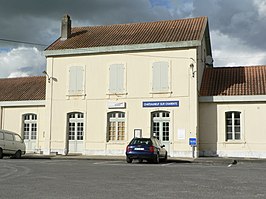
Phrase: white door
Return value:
(75, 132)
(161, 128)
(30, 132)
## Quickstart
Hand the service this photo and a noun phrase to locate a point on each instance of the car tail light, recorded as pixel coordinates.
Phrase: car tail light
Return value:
(152, 149)
(129, 149)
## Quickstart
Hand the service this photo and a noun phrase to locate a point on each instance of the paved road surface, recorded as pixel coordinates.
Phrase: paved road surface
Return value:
(46, 179)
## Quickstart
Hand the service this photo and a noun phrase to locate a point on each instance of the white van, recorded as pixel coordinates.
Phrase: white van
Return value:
(11, 144)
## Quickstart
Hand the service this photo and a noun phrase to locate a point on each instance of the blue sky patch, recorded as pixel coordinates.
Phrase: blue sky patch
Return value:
(5, 49)
(164, 3)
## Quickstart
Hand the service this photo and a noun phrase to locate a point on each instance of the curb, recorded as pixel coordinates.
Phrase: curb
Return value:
(201, 160)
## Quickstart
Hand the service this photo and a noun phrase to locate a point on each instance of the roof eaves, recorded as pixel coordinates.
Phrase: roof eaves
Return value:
(23, 103)
(123, 48)
(233, 98)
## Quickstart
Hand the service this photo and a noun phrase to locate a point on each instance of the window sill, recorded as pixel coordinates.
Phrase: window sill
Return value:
(80, 95)
(116, 94)
(234, 142)
(113, 142)
(161, 92)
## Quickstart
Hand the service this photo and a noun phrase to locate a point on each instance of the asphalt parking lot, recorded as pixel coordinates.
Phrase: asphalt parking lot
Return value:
(66, 178)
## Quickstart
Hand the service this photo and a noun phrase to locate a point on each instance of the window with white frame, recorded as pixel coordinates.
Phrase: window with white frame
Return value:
(116, 126)
(117, 78)
(75, 126)
(30, 126)
(233, 125)
(76, 80)
(160, 76)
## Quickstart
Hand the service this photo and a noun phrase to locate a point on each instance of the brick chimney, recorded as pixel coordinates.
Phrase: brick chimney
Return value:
(65, 27)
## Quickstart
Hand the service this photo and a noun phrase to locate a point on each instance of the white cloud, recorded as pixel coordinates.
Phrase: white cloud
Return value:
(228, 51)
(18, 74)
(21, 62)
(261, 6)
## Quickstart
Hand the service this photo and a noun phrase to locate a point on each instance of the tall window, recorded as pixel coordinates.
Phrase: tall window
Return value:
(116, 78)
(75, 126)
(30, 126)
(76, 80)
(161, 125)
(233, 125)
(116, 126)
(160, 76)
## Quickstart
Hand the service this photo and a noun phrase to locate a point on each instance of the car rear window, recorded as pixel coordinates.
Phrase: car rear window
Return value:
(141, 141)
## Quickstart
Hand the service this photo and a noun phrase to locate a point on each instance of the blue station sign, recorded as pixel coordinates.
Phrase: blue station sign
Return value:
(160, 104)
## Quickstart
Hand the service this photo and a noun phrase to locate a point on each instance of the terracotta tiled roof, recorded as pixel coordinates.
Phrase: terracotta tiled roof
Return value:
(134, 33)
(22, 88)
(248, 80)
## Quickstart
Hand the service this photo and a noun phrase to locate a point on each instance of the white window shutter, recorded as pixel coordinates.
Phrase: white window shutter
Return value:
(76, 83)
(160, 80)
(112, 79)
(120, 78)
(79, 78)
(72, 79)
(156, 76)
(164, 76)
(116, 78)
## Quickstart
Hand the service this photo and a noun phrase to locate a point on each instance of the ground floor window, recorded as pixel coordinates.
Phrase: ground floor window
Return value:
(233, 125)
(116, 126)
(30, 126)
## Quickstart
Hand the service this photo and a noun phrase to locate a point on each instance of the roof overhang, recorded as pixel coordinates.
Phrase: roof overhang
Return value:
(22, 103)
(123, 48)
(237, 98)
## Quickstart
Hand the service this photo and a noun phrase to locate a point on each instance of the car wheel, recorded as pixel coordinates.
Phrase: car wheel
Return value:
(165, 158)
(17, 154)
(129, 160)
(1, 153)
(157, 159)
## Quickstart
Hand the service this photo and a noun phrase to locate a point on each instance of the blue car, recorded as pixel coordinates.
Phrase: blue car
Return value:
(148, 149)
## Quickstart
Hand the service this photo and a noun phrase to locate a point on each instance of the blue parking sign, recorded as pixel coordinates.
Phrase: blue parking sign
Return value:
(193, 141)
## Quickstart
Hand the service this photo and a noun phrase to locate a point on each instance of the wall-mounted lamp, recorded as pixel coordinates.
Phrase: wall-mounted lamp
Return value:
(193, 71)
(49, 78)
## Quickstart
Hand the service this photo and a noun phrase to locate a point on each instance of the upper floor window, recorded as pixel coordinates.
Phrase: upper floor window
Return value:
(117, 78)
(160, 76)
(76, 80)
(233, 125)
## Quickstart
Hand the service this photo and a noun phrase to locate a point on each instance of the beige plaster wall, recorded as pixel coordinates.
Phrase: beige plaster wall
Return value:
(138, 80)
(12, 121)
(253, 130)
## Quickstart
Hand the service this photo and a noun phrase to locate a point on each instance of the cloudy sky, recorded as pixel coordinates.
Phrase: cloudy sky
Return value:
(237, 27)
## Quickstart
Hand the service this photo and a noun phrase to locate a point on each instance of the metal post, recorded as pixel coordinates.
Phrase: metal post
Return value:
(193, 151)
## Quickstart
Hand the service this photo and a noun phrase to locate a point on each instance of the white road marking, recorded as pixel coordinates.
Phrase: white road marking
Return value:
(107, 162)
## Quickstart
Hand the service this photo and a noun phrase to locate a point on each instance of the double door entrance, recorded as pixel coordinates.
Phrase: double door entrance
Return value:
(75, 132)
(160, 122)
(30, 132)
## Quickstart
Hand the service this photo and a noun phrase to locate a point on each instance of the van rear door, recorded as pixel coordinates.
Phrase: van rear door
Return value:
(10, 147)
